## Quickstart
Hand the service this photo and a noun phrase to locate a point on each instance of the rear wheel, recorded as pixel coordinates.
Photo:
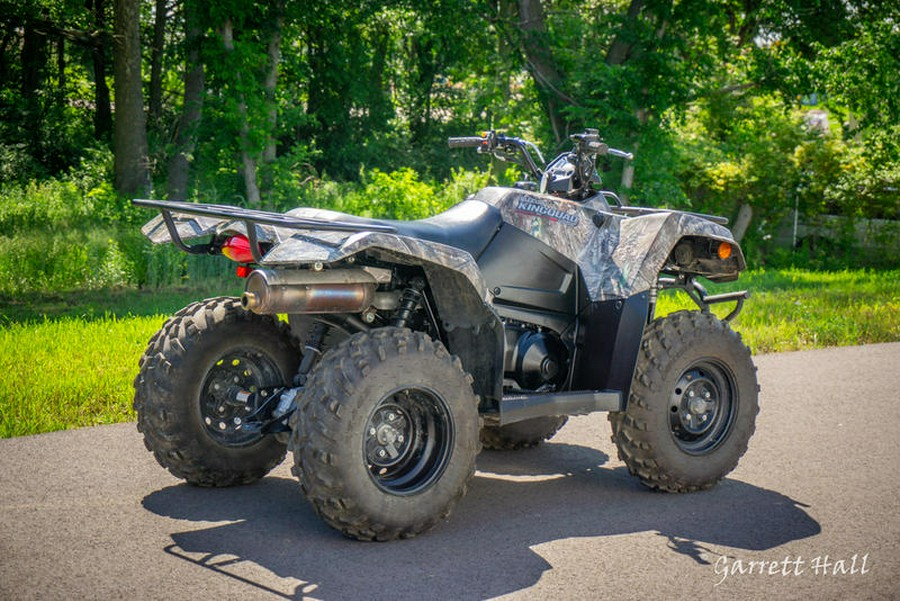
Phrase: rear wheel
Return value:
(186, 391)
(521, 435)
(386, 439)
(693, 404)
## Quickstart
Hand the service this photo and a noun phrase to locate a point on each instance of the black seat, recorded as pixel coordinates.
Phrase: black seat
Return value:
(469, 225)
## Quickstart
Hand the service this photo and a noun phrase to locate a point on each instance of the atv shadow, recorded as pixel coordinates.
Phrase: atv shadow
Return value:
(517, 500)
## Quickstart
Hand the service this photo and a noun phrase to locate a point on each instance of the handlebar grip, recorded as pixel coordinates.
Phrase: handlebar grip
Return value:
(620, 153)
(465, 142)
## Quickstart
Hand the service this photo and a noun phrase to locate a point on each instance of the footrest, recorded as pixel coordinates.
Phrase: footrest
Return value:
(516, 408)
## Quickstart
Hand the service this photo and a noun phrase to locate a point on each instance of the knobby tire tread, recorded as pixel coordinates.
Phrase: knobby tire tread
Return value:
(521, 435)
(644, 451)
(175, 444)
(315, 445)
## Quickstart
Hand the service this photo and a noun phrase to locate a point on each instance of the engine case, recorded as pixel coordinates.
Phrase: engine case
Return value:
(533, 359)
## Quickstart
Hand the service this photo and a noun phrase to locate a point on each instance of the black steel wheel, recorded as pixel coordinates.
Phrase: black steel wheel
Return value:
(693, 404)
(408, 440)
(222, 411)
(702, 407)
(386, 437)
(188, 391)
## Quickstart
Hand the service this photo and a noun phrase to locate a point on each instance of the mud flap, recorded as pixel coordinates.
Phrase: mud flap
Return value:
(607, 352)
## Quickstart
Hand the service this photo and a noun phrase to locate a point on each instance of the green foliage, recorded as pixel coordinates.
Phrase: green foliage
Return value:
(44, 204)
(65, 260)
(737, 150)
(861, 72)
(705, 93)
(76, 234)
(396, 195)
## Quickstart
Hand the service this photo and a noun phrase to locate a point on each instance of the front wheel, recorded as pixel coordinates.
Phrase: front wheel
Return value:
(693, 404)
(386, 438)
(186, 396)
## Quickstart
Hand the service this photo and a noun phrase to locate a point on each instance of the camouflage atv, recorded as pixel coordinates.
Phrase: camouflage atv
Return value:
(385, 354)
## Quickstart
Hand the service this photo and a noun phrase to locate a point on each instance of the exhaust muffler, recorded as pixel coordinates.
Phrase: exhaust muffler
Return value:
(270, 291)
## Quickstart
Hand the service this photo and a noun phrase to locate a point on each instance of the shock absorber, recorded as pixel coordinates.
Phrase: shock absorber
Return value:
(287, 398)
(311, 351)
(411, 298)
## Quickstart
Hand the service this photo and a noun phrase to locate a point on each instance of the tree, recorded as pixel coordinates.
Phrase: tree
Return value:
(178, 170)
(131, 170)
(103, 122)
(542, 66)
(160, 18)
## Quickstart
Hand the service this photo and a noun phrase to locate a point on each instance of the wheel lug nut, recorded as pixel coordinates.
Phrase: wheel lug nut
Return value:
(372, 431)
(382, 453)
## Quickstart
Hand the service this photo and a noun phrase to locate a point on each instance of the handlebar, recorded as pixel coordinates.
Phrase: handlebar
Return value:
(507, 148)
(620, 154)
(466, 142)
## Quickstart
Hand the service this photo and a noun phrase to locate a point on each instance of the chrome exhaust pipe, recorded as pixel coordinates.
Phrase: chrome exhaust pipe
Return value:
(270, 291)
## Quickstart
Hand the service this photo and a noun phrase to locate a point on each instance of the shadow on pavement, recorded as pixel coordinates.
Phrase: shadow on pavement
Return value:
(516, 501)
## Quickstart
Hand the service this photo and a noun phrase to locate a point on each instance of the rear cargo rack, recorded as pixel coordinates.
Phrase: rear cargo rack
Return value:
(250, 217)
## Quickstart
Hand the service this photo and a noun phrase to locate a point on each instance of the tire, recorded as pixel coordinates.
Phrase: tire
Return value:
(692, 407)
(521, 435)
(185, 423)
(385, 443)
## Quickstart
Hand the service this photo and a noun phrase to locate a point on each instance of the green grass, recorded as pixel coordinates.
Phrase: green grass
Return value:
(794, 309)
(68, 359)
(67, 373)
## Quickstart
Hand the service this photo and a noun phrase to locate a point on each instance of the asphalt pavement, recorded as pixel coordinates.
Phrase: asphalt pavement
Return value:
(811, 512)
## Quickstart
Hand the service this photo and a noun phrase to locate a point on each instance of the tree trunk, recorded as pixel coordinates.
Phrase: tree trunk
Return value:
(542, 66)
(4, 44)
(248, 160)
(61, 66)
(270, 82)
(156, 53)
(627, 178)
(132, 174)
(628, 169)
(34, 46)
(192, 112)
(621, 47)
(103, 122)
(745, 214)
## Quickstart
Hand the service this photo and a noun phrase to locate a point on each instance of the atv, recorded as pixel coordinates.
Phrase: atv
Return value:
(385, 354)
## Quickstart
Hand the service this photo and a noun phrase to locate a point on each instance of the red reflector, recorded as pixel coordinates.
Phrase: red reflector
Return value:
(243, 271)
(237, 248)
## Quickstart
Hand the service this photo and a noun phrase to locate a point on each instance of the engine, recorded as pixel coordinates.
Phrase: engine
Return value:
(534, 359)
